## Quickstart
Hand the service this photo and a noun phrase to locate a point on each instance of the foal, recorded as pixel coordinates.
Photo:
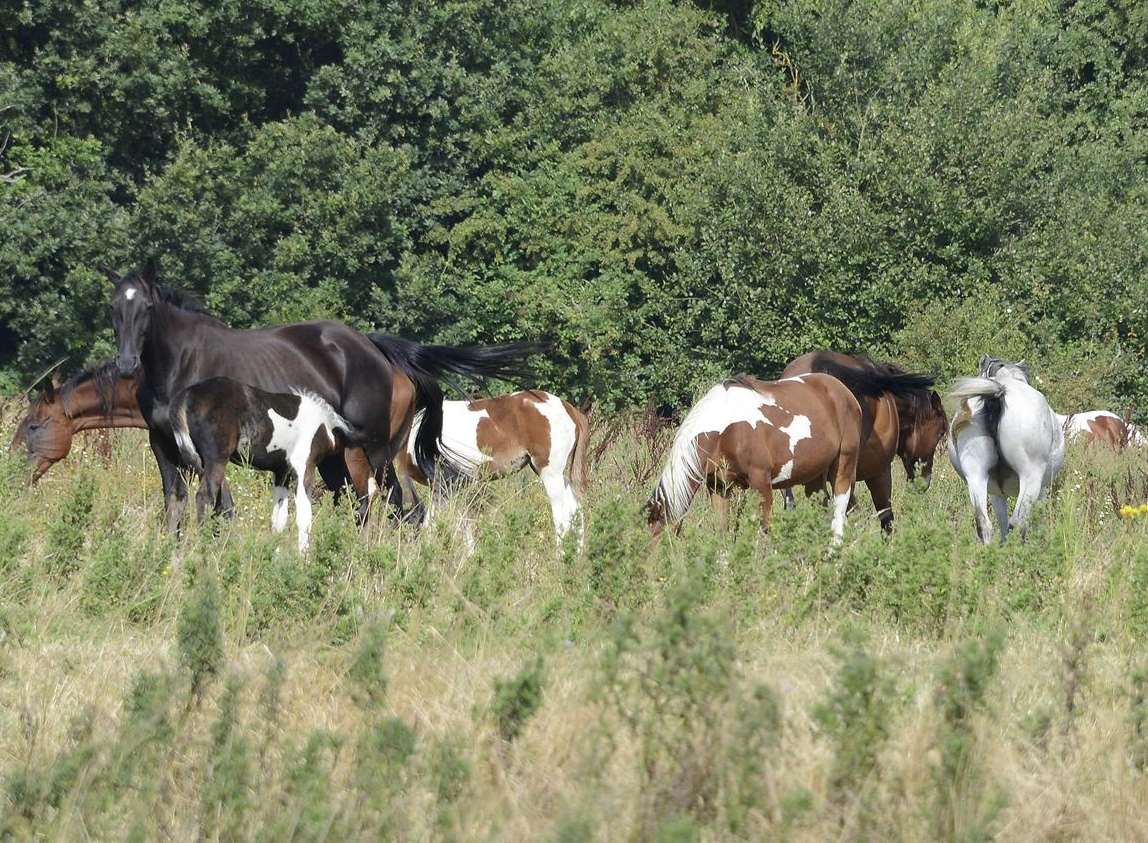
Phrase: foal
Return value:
(220, 420)
(499, 436)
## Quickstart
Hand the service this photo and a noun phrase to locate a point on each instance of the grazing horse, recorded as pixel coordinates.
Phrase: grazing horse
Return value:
(499, 436)
(220, 420)
(1004, 440)
(1101, 426)
(375, 382)
(905, 420)
(762, 435)
(93, 399)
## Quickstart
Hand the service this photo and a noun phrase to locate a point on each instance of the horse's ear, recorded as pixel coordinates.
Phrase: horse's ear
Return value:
(56, 381)
(150, 272)
(110, 274)
(49, 391)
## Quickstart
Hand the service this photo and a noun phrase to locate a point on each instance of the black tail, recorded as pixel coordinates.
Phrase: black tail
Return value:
(874, 379)
(426, 364)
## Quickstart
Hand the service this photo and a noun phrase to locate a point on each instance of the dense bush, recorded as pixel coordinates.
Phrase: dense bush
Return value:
(654, 187)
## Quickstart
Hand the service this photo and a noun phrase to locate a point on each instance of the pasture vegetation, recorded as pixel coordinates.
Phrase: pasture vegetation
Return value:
(393, 685)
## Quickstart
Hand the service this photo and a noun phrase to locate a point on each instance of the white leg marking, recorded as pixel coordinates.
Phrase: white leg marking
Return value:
(840, 505)
(279, 495)
(372, 488)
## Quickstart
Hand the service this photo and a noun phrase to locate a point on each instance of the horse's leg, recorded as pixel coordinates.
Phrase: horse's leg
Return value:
(557, 490)
(279, 496)
(1030, 487)
(760, 482)
(719, 500)
(210, 485)
(1000, 509)
(174, 486)
(881, 489)
(225, 504)
(978, 483)
(303, 505)
(787, 496)
(842, 482)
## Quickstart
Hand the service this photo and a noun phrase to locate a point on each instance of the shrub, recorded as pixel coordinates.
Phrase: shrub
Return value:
(516, 700)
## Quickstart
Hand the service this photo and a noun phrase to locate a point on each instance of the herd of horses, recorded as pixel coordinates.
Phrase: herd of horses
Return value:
(366, 412)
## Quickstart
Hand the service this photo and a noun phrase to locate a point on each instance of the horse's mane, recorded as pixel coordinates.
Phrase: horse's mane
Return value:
(170, 295)
(103, 377)
(916, 406)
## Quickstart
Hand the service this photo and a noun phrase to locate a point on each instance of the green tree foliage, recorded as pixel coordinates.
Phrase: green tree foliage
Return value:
(663, 191)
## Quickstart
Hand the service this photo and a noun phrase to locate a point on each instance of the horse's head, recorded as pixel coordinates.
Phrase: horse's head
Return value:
(994, 367)
(921, 433)
(132, 303)
(45, 431)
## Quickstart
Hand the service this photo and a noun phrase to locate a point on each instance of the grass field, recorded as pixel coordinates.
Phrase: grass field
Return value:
(717, 686)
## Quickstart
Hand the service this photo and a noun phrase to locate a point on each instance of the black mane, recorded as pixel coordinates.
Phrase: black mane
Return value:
(169, 295)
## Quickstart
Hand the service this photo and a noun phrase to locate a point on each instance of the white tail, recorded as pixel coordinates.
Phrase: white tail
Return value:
(183, 437)
(976, 388)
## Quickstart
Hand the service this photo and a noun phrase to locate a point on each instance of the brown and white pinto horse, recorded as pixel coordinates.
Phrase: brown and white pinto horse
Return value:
(905, 420)
(498, 436)
(91, 400)
(1102, 427)
(762, 435)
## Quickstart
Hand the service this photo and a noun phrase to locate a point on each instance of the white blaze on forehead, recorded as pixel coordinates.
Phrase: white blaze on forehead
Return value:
(130, 293)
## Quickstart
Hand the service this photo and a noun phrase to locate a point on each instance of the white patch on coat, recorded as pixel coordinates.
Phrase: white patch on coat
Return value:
(783, 474)
(458, 444)
(1077, 423)
(555, 476)
(130, 293)
(840, 507)
(800, 428)
(183, 437)
(294, 437)
(719, 408)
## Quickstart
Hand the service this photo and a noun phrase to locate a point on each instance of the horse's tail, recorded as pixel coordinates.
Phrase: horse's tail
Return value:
(425, 364)
(683, 469)
(182, 434)
(991, 393)
(872, 379)
(578, 457)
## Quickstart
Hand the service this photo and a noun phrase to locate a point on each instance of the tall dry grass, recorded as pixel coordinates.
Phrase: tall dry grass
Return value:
(717, 686)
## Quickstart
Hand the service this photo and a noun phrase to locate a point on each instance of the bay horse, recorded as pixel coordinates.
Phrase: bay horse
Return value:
(494, 437)
(220, 420)
(1004, 440)
(1101, 426)
(762, 435)
(93, 399)
(373, 381)
(906, 420)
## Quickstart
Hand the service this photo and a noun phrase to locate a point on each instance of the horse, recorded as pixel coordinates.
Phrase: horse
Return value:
(374, 381)
(1101, 426)
(93, 399)
(1004, 440)
(499, 436)
(220, 420)
(905, 420)
(761, 435)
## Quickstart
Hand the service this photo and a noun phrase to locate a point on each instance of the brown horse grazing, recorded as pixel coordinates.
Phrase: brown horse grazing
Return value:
(762, 435)
(906, 420)
(94, 399)
(498, 436)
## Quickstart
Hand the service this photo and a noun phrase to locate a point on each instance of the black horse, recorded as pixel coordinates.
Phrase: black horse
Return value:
(375, 382)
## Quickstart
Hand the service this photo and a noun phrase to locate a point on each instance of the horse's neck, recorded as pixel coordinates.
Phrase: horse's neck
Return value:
(168, 337)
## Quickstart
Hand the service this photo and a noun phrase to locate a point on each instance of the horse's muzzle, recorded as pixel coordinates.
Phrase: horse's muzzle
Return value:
(128, 365)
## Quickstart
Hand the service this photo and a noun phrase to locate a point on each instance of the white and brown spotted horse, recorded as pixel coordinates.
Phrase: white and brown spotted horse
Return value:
(498, 436)
(1103, 427)
(220, 420)
(762, 435)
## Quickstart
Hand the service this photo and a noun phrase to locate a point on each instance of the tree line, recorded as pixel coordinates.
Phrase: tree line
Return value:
(665, 192)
